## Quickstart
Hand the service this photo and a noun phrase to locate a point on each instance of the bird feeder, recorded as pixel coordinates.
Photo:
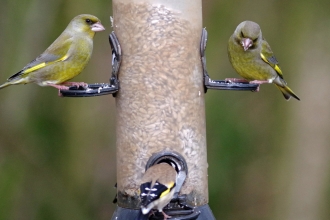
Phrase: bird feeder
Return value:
(159, 80)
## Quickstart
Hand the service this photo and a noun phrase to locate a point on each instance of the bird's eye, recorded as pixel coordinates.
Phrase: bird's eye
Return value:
(255, 40)
(242, 34)
(88, 21)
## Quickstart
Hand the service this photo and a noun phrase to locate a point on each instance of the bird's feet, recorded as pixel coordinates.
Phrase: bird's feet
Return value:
(66, 85)
(59, 87)
(165, 216)
(259, 82)
(82, 84)
(257, 89)
(235, 80)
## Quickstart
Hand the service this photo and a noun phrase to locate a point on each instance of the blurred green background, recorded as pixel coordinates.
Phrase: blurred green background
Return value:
(268, 158)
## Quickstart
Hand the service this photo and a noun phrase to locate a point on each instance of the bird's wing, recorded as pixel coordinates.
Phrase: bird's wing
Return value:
(150, 192)
(56, 52)
(268, 56)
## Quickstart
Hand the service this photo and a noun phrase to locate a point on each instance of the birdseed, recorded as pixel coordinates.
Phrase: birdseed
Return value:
(160, 104)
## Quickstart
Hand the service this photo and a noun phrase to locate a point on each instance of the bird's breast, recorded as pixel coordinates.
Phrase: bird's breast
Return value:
(250, 66)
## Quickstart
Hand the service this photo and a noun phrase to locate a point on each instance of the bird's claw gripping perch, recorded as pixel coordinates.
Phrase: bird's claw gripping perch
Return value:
(221, 84)
(98, 89)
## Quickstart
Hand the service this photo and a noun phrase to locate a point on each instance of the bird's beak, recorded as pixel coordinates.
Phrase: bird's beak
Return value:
(246, 43)
(97, 27)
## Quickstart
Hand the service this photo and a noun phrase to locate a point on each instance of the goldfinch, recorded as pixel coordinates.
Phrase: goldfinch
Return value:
(64, 59)
(157, 189)
(253, 59)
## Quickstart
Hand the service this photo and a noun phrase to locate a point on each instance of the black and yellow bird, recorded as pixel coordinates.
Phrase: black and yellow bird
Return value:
(157, 189)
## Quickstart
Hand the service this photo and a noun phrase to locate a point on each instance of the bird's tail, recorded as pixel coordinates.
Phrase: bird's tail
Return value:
(287, 92)
(5, 85)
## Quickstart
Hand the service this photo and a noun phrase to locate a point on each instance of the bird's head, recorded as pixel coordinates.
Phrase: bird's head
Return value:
(248, 33)
(87, 23)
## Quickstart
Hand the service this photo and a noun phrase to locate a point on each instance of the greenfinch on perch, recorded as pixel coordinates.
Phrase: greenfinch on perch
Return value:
(64, 59)
(253, 59)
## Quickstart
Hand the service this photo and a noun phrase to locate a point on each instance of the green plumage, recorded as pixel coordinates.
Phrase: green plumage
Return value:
(65, 58)
(253, 59)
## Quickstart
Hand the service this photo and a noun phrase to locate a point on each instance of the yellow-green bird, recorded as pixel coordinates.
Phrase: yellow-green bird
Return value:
(253, 59)
(64, 59)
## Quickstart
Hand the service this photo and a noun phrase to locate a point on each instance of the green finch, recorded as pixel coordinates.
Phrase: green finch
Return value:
(64, 59)
(253, 59)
